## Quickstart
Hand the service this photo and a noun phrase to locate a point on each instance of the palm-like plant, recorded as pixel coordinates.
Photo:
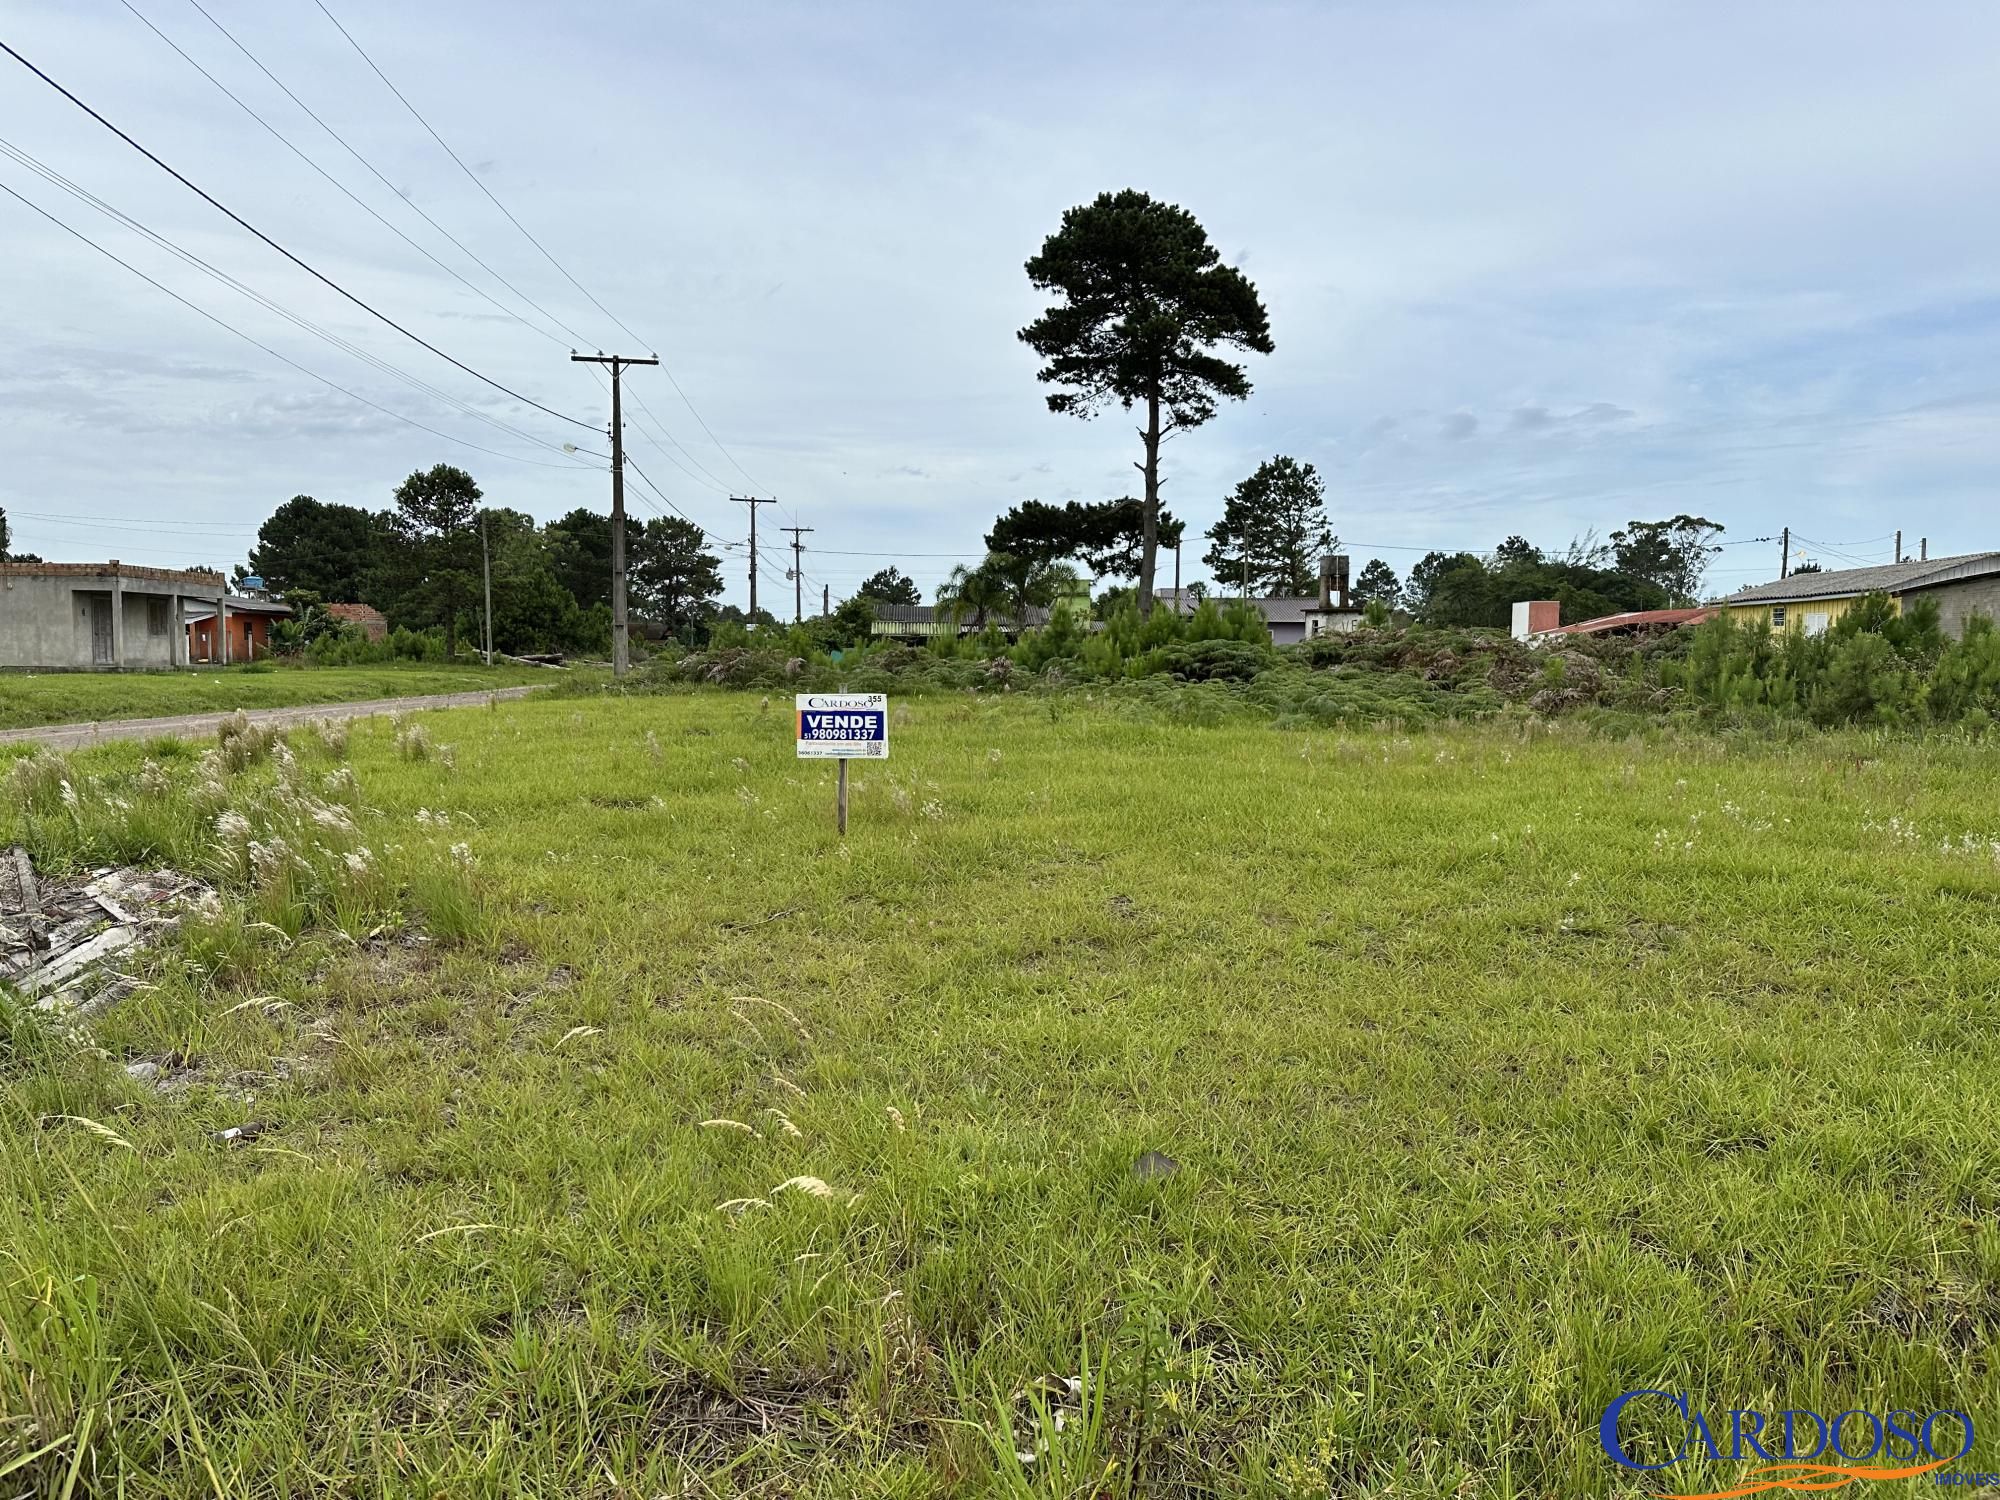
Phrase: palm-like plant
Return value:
(1004, 584)
(975, 591)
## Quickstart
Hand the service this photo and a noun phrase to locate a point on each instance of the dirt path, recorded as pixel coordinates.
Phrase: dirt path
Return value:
(75, 736)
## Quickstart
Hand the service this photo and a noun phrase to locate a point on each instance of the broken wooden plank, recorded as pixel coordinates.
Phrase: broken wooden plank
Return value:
(57, 970)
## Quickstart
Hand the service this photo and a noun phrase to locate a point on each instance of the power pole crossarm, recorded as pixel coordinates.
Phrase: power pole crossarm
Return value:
(621, 647)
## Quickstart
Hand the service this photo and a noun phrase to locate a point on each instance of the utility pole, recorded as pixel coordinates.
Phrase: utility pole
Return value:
(798, 577)
(1177, 580)
(486, 572)
(1785, 554)
(1899, 544)
(621, 646)
(825, 600)
(1923, 549)
(753, 501)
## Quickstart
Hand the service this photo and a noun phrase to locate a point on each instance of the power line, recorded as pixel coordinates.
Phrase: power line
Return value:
(547, 254)
(118, 215)
(311, 270)
(130, 523)
(413, 206)
(358, 202)
(719, 487)
(285, 359)
(474, 176)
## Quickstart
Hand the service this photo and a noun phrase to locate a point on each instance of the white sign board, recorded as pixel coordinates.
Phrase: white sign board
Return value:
(843, 726)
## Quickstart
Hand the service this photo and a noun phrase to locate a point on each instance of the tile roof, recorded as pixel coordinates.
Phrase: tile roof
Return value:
(1889, 578)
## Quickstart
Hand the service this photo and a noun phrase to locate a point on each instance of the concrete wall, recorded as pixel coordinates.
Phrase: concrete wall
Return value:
(39, 625)
(46, 622)
(1959, 601)
(149, 631)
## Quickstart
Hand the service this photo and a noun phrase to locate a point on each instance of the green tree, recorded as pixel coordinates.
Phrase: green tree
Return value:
(1106, 536)
(1378, 582)
(891, 586)
(1145, 304)
(853, 619)
(532, 611)
(977, 592)
(1671, 555)
(433, 568)
(326, 549)
(6, 535)
(1424, 576)
(1275, 522)
(675, 579)
(580, 553)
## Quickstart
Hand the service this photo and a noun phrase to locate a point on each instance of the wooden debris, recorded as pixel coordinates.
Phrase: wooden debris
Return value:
(57, 938)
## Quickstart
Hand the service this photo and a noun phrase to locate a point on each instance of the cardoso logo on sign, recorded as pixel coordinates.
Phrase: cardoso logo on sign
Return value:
(1796, 1449)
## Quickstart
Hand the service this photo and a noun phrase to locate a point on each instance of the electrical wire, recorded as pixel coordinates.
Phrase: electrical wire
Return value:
(303, 265)
(124, 523)
(471, 175)
(547, 254)
(407, 202)
(342, 187)
(118, 215)
(284, 359)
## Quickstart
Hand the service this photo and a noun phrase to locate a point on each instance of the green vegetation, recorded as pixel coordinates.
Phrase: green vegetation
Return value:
(1873, 668)
(27, 699)
(1498, 1069)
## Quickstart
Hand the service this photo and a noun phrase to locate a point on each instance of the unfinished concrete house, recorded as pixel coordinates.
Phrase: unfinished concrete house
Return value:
(103, 617)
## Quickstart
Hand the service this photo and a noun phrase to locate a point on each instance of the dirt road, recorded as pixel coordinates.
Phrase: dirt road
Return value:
(186, 726)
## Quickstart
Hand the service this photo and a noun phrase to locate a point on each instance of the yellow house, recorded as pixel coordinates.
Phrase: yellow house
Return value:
(1963, 586)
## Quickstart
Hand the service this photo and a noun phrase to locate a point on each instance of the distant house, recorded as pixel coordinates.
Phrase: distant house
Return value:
(240, 630)
(1963, 586)
(1291, 618)
(105, 617)
(370, 621)
(1539, 620)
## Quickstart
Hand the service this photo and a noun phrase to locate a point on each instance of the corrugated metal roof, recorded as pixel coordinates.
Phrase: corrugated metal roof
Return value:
(1888, 578)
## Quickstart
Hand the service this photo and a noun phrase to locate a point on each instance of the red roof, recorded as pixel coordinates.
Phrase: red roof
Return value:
(360, 614)
(1635, 619)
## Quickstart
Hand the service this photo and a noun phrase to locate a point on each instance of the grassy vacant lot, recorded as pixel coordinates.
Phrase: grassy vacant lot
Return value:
(1505, 1070)
(74, 697)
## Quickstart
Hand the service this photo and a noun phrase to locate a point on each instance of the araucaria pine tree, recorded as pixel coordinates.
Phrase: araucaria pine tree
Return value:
(1145, 305)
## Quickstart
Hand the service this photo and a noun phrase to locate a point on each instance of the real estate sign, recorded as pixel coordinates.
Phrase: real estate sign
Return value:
(843, 726)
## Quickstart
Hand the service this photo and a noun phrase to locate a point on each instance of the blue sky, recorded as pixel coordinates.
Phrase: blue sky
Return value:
(1535, 268)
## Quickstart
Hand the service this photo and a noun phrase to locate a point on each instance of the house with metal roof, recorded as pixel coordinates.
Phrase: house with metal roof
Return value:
(1965, 585)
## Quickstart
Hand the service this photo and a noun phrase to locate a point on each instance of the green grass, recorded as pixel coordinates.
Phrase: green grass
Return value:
(28, 699)
(1506, 1069)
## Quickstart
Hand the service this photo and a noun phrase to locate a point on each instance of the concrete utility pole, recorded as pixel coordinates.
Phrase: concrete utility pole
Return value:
(753, 501)
(1177, 580)
(798, 578)
(1899, 544)
(825, 600)
(486, 572)
(1923, 549)
(1785, 554)
(621, 646)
